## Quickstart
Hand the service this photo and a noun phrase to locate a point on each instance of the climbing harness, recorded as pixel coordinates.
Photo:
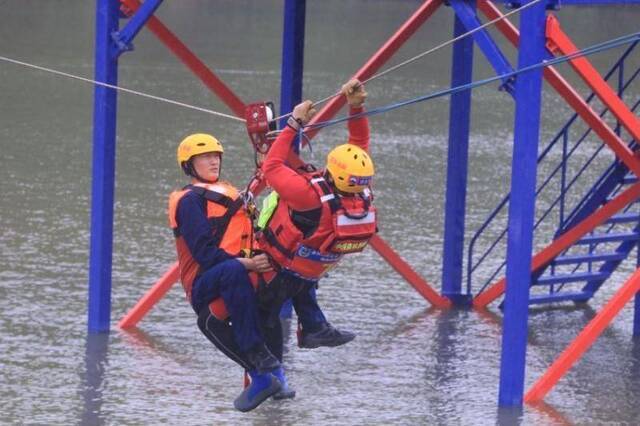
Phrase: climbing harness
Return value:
(309, 244)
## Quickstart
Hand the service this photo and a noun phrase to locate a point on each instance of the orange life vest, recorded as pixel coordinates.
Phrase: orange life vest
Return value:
(232, 229)
(310, 244)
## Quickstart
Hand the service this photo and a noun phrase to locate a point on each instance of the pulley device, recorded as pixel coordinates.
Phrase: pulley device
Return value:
(260, 126)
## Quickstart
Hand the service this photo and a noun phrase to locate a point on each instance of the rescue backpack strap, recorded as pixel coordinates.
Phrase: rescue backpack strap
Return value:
(326, 194)
(273, 240)
(220, 224)
(213, 196)
(217, 198)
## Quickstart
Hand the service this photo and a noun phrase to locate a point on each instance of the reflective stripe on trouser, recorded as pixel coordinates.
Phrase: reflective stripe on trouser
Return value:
(220, 333)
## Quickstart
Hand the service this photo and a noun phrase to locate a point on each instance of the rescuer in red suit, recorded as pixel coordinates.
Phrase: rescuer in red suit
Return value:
(316, 217)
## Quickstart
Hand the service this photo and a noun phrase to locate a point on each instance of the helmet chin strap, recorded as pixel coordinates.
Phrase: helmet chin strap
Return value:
(191, 171)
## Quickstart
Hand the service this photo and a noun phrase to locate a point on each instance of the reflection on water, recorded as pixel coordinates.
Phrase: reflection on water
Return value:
(95, 364)
(409, 364)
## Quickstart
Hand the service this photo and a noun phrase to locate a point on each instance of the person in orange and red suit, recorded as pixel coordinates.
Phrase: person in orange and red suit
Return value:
(301, 227)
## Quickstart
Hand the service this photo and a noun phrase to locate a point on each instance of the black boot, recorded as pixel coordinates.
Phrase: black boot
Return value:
(262, 359)
(326, 336)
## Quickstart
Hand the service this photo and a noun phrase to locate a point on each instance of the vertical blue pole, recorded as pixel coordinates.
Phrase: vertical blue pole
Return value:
(291, 72)
(636, 300)
(292, 58)
(103, 168)
(457, 165)
(522, 206)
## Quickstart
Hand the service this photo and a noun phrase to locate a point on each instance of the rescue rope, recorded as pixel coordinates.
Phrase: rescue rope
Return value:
(428, 52)
(122, 89)
(627, 39)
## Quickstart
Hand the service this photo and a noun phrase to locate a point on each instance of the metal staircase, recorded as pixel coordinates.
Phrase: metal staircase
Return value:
(578, 272)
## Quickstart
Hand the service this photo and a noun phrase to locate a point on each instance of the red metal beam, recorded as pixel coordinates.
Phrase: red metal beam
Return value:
(379, 58)
(585, 339)
(559, 42)
(329, 110)
(564, 241)
(565, 90)
(155, 293)
(386, 51)
(179, 49)
(409, 274)
(582, 109)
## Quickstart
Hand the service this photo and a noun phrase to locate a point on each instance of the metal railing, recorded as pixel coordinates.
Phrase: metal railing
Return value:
(559, 203)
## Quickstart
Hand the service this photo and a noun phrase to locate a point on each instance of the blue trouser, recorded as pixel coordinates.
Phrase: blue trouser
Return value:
(230, 281)
(302, 293)
(221, 334)
(309, 313)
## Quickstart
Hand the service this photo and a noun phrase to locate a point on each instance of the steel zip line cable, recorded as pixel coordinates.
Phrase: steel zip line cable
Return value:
(122, 89)
(421, 55)
(232, 117)
(609, 44)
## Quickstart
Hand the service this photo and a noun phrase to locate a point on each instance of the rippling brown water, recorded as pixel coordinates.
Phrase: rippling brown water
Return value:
(409, 365)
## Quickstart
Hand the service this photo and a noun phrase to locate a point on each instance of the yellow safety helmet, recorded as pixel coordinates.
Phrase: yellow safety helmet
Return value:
(195, 144)
(350, 167)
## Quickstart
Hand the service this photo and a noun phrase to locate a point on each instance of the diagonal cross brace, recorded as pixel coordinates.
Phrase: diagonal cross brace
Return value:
(179, 49)
(567, 239)
(582, 108)
(378, 59)
(559, 42)
(124, 37)
(584, 340)
(374, 63)
(467, 15)
(564, 89)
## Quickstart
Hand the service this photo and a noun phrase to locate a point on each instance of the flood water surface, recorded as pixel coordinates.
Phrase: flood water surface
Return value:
(410, 364)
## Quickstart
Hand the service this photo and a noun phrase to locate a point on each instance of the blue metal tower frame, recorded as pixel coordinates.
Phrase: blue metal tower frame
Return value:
(103, 166)
(291, 75)
(111, 42)
(522, 206)
(457, 166)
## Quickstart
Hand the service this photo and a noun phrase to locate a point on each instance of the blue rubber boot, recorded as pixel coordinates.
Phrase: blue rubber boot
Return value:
(285, 391)
(261, 388)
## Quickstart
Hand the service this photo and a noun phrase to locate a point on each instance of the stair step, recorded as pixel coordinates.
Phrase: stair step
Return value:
(613, 196)
(612, 236)
(589, 257)
(580, 296)
(624, 218)
(567, 278)
(629, 178)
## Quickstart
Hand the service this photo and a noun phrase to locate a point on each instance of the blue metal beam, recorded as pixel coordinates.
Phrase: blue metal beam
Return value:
(103, 167)
(554, 3)
(597, 197)
(466, 13)
(636, 301)
(457, 166)
(292, 56)
(291, 76)
(124, 38)
(522, 206)
(608, 267)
